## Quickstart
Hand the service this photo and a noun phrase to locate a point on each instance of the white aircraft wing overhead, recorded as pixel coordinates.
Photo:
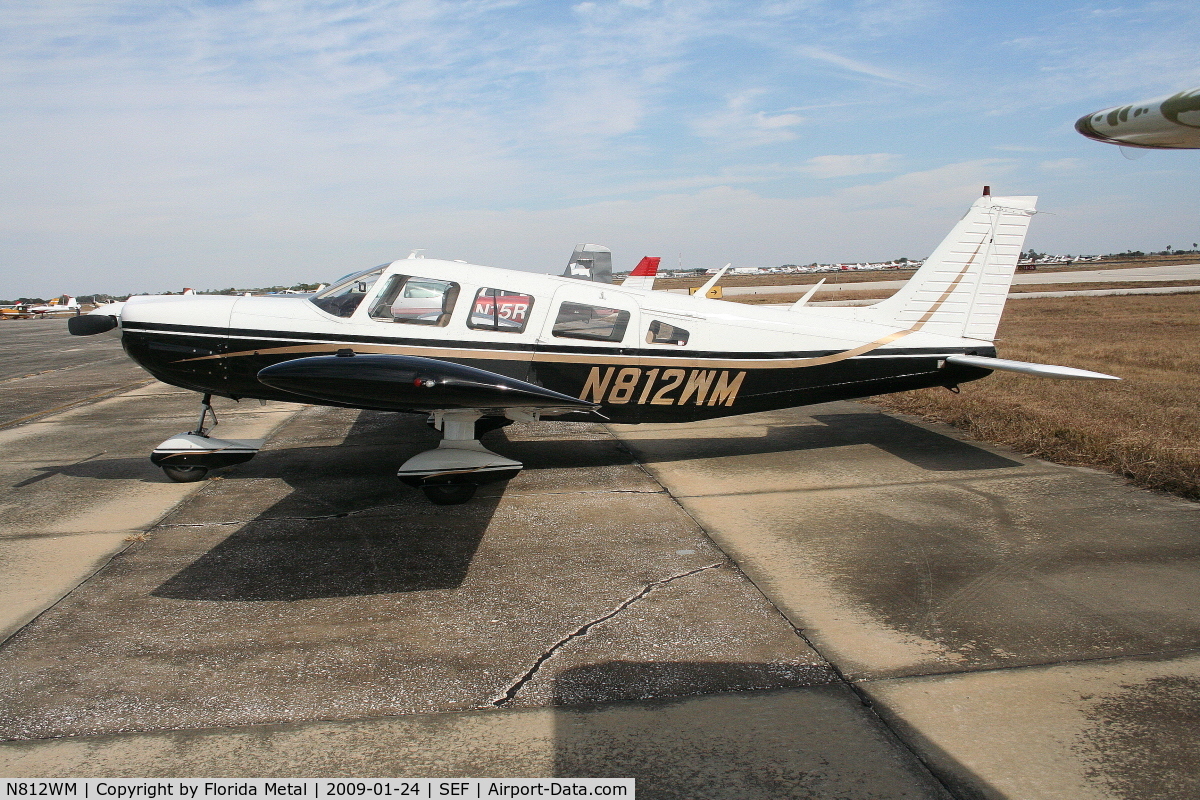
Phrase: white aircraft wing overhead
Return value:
(1164, 123)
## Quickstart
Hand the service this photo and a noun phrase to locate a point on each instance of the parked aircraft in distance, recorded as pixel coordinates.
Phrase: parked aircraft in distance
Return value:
(15, 311)
(59, 305)
(1171, 122)
(476, 348)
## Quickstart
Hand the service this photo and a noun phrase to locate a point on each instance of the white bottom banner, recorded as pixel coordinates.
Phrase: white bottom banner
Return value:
(312, 788)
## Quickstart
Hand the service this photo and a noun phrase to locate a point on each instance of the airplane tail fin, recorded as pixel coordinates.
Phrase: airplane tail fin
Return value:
(643, 274)
(590, 262)
(960, 290)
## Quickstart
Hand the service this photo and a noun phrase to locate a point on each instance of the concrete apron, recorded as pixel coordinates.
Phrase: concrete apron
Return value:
(1030, 630)
(307, 615)
(81, 488)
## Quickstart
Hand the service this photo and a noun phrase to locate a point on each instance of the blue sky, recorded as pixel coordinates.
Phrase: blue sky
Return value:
(154, 145)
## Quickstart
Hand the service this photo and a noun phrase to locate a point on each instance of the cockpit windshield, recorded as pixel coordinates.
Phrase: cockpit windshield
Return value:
(344, 296)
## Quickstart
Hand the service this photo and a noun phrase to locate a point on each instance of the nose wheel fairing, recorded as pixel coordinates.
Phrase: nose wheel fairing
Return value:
(187, 457)
(198, 450)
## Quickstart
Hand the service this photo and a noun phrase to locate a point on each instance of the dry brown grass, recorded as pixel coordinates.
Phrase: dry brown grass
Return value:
(1146, 427)
(880, 294)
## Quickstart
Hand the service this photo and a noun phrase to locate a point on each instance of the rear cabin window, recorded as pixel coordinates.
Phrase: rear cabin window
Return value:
(343, 297)
(498, 310)
(415, 301)
(662, 333)
(577, 321)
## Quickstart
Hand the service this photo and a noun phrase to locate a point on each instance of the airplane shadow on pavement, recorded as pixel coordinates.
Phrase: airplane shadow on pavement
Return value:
(348, 528)
(341, 525)
(918, 446)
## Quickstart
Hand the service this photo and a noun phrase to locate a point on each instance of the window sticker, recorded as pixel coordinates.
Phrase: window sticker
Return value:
(498, 310)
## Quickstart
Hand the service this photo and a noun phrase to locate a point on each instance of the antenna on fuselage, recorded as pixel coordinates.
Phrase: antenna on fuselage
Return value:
(799, 304)
(711, 282)
(414, 253)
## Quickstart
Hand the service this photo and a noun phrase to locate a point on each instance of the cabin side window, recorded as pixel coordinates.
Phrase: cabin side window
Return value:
(343, 297)
(415, 301)
(662, 333)
(578, 321)
(498, 310)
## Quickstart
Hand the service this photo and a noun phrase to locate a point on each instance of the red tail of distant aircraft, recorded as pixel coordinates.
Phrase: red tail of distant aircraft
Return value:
(643, 274)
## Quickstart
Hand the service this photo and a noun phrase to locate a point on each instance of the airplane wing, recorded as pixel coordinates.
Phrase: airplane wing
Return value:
(409, 383)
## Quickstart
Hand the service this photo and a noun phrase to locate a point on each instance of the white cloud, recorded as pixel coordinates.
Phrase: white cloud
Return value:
(856, 67)
(738, 125)
(1061, 165)
(154, 143)
(842, 166)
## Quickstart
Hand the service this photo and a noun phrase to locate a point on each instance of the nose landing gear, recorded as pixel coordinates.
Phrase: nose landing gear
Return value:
(187, 457)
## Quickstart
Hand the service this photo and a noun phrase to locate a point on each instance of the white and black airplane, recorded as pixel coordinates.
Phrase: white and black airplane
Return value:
(477, 347)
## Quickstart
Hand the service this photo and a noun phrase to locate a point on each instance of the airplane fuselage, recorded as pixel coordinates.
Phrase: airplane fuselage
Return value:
(639, 356)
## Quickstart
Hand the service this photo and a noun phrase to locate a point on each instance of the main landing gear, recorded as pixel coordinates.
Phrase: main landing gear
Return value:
(187, 457)
(450, 474)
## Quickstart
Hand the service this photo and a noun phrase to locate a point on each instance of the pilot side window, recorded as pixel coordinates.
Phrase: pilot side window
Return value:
(342, 298)
(415, 301)
(498, 310)
(578, 321)
(662, 333)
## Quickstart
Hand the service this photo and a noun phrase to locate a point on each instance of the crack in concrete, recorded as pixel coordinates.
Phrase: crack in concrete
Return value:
(509, 694)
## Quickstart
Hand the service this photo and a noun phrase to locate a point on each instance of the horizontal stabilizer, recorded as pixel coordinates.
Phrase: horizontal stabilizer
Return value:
(1026, 368)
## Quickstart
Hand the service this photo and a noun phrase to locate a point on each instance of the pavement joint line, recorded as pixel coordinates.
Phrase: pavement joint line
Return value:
(511, 692)
(587, 491)
(839, 675)
(65, 369)
(865, 699)
(1156, 655)
(854, 487)
(21, 537)
(83, 401)
(128, 543)
(315, 518)
(343, 514)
